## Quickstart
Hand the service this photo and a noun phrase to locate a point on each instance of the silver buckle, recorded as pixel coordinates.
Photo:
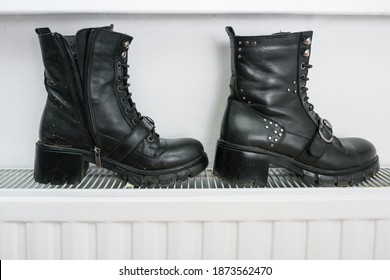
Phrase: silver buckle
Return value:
(327, 124)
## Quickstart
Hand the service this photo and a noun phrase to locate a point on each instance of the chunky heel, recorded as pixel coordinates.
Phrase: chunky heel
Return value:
(58, 167)
(241, 167)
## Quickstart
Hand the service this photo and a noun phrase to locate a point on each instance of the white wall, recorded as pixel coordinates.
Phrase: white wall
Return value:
(180, 72)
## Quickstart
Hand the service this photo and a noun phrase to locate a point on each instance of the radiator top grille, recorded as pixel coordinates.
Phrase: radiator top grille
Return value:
(100, 178)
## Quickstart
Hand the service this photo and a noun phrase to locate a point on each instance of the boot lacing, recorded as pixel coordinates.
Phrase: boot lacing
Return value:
(304, 89)
(127, 98)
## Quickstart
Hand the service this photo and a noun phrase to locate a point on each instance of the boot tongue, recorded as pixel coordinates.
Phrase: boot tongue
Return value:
(82, 37)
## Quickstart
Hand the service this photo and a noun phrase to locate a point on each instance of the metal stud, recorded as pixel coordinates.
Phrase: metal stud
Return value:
(281, 130)
(239, 49)
(241, 90)
(269, 138)
(272, 145)
(243, 97)
(265, 120)
(239, 42)
(246, 43)
(126, 44)
(306, 53)
(307, 41)
(276, 125)
(289, 89)
(249, 102)
(254, 43)
(239, 56)
(266, 126)
(275, 131)
(270, 122)
(276, 139)
(295, 91)
(294, 82)
(280, 134)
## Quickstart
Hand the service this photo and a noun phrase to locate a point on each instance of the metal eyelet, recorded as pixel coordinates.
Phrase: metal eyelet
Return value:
(118, 78)
(306, 53)
(119, 88)
(303, 65)
(119, 65)
(134, 121)
(150, 139)
(126, 44)
(307, 41)
(123, 100)
(127, 111)
(123, 54)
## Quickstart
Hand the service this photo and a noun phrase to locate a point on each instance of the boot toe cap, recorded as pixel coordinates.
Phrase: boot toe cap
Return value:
(181, 151)
(359, 150)
(351, 153)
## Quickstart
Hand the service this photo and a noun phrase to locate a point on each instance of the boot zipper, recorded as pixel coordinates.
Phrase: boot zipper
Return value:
(88, 127)
(96, 149)
(98, 161)
(91, 128)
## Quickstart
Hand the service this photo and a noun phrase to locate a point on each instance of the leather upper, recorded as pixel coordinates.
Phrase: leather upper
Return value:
(95, 105)
(268, 88)
(62, 118)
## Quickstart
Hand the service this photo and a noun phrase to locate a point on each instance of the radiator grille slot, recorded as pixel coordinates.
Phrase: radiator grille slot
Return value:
(99, 178)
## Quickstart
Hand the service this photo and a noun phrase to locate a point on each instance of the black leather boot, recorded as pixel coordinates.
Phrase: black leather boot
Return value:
(268, 119)
(90, 116)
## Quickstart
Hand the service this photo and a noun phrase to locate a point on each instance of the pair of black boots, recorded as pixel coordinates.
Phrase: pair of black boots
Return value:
(90, 117)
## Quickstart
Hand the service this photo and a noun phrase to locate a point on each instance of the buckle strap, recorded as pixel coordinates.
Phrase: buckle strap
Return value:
(132, 140)
(325, 130)
(323, 137)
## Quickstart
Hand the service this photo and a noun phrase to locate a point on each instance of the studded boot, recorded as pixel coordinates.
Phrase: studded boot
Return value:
(90, 116)
(268, 119)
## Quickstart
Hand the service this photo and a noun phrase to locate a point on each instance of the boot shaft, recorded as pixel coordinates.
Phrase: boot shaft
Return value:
(268, 75)
(62, 121)
(85, 83)
(90, 116)
(58, 74)
(104, 78)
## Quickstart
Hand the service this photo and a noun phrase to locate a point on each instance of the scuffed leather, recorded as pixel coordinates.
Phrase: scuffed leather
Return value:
(59, 129)
(61, 121)
(112, 123)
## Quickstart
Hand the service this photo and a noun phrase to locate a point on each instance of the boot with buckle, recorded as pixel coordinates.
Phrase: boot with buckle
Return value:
(90, 116)
(269, 121)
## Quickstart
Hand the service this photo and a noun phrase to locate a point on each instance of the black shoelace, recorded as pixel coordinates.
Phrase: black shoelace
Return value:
(132, 104)
(304, 89)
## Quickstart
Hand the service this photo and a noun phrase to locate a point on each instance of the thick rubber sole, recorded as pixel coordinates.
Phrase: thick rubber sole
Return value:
(60, 165)
(245, 166)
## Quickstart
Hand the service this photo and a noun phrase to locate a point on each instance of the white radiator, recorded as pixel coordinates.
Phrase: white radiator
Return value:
(102, 218)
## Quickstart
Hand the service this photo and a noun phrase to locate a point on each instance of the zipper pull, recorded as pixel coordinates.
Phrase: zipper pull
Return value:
(98, 161)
